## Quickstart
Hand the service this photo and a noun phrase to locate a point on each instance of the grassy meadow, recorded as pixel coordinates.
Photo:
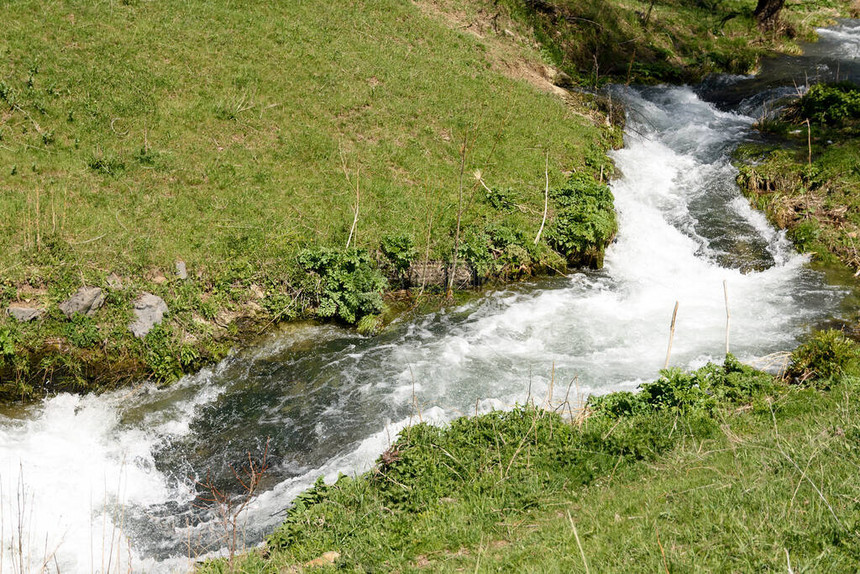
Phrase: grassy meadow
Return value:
(232, 136)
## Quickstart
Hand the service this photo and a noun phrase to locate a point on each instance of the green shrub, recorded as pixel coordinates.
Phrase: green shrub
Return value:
(585, 217)
(828, 104)
(344, 283)
(162, 354)
(619, 404)
(700, 391)
(499, 250)
(828, 354)
(400, 251)
(502, 200)
(676, 389)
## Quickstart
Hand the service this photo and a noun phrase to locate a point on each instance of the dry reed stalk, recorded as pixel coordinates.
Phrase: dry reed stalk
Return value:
(728, 313)
(671, 335)
(578, 543)
(662, 552)
(38, 222)
(463, 150)
(357, 202)
(550, 390)
(546, 199)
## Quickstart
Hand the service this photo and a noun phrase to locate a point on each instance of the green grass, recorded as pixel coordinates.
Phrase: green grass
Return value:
(723, 469)
(232, 136)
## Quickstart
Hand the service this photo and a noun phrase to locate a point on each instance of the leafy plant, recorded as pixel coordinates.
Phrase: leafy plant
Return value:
(345, 283)
(828, 104)
(162, 354)
(499, 250)
(82, 331)
(827, 354)
(106, 164)
(676, 390)
(400, 251)
(503, 200)
(8, 337)
(585, 217)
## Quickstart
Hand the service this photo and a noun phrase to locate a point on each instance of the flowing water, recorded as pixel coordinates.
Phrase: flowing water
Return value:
(112, 482)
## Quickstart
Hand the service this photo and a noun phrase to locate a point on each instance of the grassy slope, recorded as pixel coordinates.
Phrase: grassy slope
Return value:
(134, 134)
(763, 475)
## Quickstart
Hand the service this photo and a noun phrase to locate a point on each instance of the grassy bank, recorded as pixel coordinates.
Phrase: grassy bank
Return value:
(244, 139)
(723, 469)
(807, 180)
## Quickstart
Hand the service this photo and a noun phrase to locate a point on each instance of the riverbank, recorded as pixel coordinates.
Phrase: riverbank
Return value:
(805, 179)
(212, 179)
(619, 486)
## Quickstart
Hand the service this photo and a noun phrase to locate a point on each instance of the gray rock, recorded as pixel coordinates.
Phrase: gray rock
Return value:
(149, 310)
(24, 313)
(86, 301)
(562, 80)
(114, 282)
(181, 271)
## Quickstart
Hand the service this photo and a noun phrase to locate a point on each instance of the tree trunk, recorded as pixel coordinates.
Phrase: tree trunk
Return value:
(767, 14)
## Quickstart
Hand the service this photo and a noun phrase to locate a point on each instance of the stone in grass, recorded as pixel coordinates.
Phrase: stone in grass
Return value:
(114, 282)
(23, 312)
(149, 310)
(181, 271)
(85, 301)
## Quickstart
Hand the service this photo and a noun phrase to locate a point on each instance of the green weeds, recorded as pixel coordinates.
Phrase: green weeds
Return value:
(585, 219)
(345, 283)
(825, 358)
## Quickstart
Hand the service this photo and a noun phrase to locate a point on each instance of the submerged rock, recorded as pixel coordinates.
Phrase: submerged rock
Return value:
(149, 310)
(85, 301)
(23, 313)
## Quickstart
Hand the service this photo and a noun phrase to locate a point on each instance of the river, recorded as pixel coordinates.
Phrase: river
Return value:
(112, 483)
